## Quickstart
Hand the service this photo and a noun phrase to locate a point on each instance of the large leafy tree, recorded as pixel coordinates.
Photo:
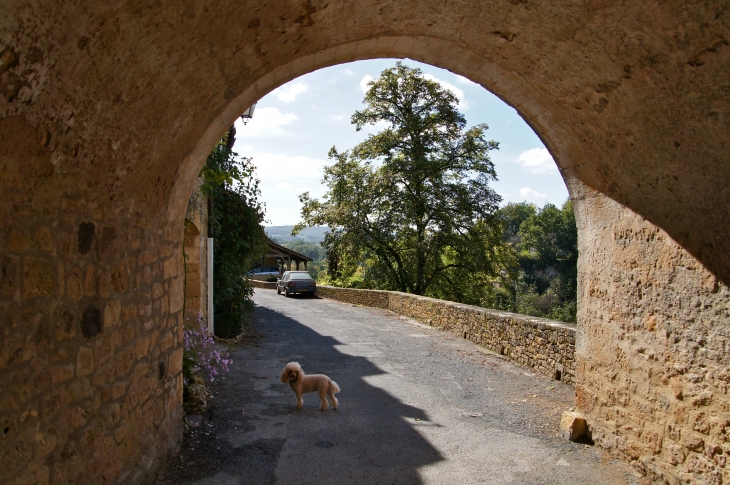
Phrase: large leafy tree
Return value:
(412, 203)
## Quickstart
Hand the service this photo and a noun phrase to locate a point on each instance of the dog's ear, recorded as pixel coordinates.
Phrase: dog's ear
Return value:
(284, 377)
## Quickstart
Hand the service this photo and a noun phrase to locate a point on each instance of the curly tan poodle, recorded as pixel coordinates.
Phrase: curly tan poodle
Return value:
(302, 384)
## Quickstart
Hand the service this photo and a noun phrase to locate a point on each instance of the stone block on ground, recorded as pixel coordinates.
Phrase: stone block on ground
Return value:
(573, 425)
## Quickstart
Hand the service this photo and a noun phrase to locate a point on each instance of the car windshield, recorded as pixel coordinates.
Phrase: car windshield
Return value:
(301, 276)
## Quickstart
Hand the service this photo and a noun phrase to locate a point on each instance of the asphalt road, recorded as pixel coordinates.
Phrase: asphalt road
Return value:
(418, 405)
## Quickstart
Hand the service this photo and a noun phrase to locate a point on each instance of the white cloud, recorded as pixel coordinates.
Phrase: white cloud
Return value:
(536, 160)
(531, 194)
(283, 179)
(459, 93)
(266, 122)
(289, 92)
(364, 83)
(278, 168)
(347, 72)
(338, 117)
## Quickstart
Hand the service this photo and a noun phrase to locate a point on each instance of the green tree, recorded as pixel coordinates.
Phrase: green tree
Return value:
(549, 241)
(413, 200)
(546, 241)
(236, 218)
(512, 215)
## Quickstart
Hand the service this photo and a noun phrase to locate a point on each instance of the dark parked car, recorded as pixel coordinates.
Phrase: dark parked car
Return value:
(296, 282)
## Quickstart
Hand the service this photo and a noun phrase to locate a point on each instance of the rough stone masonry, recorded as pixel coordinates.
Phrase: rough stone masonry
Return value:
(545, 345)
(107, 113)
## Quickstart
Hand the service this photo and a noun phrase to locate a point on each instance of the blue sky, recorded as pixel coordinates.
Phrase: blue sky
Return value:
(294, 127)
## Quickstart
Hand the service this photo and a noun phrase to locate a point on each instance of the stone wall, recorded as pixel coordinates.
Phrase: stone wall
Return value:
(90, 322)
(653, 347)
(372, 298)
(196, 258)
(544, 345)
(108, 111)
(262, 284)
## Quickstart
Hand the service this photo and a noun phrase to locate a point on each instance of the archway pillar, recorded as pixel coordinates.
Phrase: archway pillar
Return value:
(651, 359)
(91, 304)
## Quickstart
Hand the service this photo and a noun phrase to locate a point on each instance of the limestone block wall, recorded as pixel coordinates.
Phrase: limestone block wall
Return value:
(194, 276)
(262, 284)
(372, 298)
(653, 347)
(90, 327)
(196, 257)
(544, 345)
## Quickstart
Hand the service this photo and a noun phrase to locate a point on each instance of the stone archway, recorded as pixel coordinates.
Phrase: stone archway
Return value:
(108, 111)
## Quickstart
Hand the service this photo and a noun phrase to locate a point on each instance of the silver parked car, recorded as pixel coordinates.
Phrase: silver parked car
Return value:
(296, 282)
(263, 273)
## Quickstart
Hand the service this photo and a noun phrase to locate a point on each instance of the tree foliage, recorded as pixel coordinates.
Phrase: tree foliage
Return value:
(236, 218)
(546, 244)
(410, 208)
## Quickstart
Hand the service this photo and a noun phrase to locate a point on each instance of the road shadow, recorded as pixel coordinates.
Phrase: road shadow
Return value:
(254, 435)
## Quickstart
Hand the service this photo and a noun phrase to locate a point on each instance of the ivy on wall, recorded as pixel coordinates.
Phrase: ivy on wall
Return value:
(235, 217)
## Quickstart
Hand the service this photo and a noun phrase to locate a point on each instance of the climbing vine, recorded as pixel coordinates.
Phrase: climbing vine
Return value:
(236, 215)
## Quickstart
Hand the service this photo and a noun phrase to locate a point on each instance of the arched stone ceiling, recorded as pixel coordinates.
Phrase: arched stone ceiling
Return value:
(633, 99)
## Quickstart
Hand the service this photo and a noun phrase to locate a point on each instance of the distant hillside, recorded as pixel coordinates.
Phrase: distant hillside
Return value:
(282, 234)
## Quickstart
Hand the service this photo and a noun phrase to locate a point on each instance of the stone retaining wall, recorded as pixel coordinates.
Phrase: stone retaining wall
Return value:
(545, 345)
(262, 284)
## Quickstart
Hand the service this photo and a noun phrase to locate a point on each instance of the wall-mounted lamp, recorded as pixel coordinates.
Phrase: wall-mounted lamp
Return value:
(248, 114)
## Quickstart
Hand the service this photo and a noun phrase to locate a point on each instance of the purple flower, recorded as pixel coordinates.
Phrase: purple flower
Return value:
(195, 341)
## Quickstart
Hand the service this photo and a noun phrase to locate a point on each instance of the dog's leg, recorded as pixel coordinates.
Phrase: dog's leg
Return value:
(333, 399)
(300, 401)
(322, 393)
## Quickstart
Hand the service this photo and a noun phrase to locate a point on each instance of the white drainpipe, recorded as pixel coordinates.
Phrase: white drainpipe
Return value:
(211, 326)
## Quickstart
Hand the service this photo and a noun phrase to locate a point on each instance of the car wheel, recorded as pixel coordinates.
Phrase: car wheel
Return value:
(286, 293)
(278, 290)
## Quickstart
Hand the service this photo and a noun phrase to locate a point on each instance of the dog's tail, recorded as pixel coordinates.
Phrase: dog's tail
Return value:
(334, 387)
